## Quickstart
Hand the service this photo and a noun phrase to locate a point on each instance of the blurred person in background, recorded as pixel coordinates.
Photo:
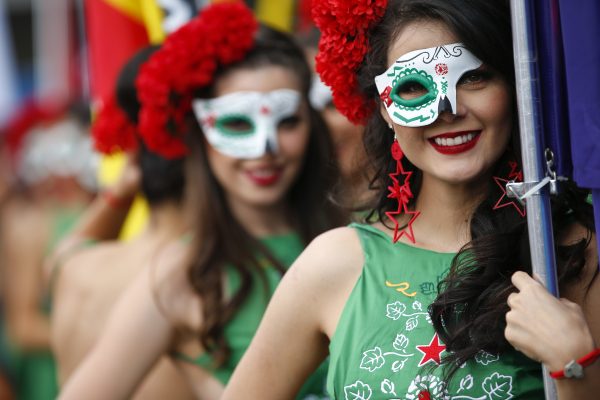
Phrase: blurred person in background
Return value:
(352, 191)
(54, 181)
(257, 177)
(88, 281)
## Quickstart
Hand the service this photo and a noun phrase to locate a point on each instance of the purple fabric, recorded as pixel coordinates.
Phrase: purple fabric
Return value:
(552, 84)
(580, 24)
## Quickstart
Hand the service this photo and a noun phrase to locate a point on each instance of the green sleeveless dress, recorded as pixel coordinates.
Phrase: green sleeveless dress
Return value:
(240, 330)
(385, 347)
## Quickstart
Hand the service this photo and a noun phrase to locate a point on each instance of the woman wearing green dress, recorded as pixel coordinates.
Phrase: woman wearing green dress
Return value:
(258, 173)
(432, 299)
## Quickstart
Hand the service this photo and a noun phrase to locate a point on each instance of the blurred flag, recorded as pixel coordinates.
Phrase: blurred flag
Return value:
(115, 31)
(569, 56)
(8, 74)
(279, 14)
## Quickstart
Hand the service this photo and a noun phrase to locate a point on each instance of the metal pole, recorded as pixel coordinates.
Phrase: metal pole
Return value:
(539, 220)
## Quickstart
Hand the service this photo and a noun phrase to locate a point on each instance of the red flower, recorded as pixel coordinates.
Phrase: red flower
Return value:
(441, 69)
(342, 48)
(222, 34)
(112, 130)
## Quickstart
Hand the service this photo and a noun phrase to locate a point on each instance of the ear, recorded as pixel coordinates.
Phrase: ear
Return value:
(385, 115)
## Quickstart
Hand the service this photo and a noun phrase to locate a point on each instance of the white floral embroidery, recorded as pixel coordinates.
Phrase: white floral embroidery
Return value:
(498, 387)
(372, 359)
(388, 387)
(485, 358)
(358, 391)
(431, 384)
(417, 305)
(395, 310)
(412, 323)
(466, 383)
(401, 342)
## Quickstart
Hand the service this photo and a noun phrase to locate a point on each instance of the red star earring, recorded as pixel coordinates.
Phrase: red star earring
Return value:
(402, 193)
(513, 176)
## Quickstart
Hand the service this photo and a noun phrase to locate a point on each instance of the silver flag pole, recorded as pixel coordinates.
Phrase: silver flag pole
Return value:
(539, 219)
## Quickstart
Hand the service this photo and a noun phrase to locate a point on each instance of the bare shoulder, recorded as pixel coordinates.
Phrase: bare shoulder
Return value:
(326, 272)
(84, 266)
(333, 255)
(168, 273)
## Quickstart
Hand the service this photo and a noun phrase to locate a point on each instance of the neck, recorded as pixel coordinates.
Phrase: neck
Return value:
(262, 220)
(166, 222)
(446, 210)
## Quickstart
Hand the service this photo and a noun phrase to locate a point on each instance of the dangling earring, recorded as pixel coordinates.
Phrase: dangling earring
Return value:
(402, 193)
(513, 176)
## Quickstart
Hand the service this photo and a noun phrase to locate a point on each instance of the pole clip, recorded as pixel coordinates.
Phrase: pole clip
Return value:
(523, 190)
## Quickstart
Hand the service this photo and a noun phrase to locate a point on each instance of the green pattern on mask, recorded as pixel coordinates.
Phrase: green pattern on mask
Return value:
(223, 124)
(444, 87)
(418, 76)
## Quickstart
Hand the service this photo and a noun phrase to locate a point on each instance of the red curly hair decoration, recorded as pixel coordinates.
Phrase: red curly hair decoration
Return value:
(344, 25)
(221, 34)
(112, 130)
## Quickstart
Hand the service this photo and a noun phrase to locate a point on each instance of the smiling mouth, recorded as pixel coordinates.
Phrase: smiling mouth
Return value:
(264, 176)
(455, 142)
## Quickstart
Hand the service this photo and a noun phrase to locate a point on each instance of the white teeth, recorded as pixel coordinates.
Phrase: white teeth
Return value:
(454, 141)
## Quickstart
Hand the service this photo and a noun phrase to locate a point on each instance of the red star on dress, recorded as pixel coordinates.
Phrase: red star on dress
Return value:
(432, 351)
(385, 96)
(264, 110)
(503, 200)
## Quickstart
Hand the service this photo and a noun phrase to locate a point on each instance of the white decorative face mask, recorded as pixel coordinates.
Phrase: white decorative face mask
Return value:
(420, 85)
(244, 124)
(320, 94)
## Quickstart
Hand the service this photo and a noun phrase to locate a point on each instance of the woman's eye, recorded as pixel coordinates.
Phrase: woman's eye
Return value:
(411, 90)
(237, 125)
(289, 122)
(474, 78)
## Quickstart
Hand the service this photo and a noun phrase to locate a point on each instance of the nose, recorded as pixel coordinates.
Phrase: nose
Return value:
(445, 112)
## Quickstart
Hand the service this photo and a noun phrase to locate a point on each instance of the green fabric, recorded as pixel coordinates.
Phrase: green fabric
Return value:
(379, 348)
(240, 330)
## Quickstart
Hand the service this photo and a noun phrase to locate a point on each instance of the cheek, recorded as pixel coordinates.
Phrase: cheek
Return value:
(293, 143)
(221, 166)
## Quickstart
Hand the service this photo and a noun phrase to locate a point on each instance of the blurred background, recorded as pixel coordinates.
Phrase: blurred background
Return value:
(59, 60)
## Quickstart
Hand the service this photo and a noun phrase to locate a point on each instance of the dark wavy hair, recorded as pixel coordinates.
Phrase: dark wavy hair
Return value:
(162, 179)
(469, 311)
(219, 239)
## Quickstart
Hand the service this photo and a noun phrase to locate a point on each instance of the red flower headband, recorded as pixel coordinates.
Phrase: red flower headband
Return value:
(112, 130)
(221, 34)
(344, 25)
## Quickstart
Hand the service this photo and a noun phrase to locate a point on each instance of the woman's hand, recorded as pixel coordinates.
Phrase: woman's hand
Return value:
(550, 330)
(129, 181)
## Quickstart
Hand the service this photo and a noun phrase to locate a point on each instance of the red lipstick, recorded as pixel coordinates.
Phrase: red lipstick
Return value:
(446, 143)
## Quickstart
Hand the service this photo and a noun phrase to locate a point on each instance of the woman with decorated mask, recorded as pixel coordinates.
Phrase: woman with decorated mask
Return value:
(433, 300)
(257, 177)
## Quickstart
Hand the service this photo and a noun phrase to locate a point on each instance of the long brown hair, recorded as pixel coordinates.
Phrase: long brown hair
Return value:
(219, 240)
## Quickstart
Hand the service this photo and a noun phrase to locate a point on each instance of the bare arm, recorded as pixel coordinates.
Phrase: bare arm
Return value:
(556, 331)
(24, 243)
(103, 218)
(136, 336)
(293, 336)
